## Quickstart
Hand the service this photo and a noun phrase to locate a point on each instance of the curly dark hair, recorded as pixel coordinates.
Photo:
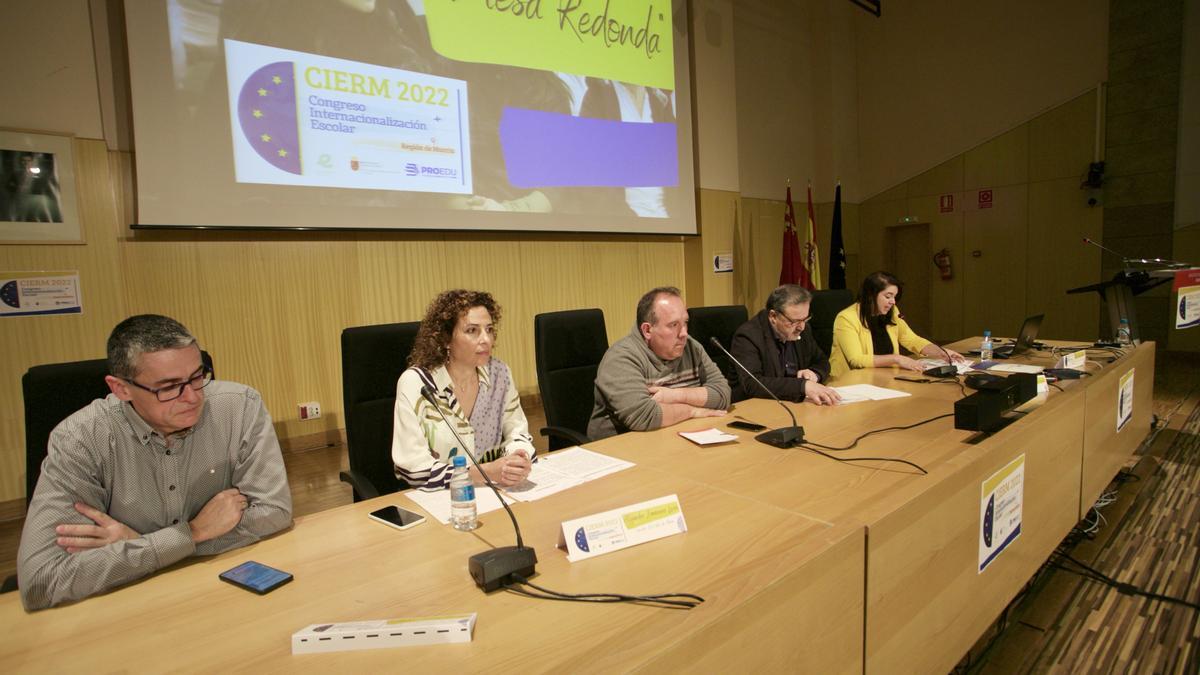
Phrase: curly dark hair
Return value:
(431, 347)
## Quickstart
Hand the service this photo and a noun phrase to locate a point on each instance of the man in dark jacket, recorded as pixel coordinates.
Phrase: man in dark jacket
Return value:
(777, 346)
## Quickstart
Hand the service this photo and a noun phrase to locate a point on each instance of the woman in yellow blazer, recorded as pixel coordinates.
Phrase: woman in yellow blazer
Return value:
(869, 333)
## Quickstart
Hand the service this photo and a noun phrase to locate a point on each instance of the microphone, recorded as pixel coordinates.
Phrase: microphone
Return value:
(783, 437)
(948, 370)
(499, 566)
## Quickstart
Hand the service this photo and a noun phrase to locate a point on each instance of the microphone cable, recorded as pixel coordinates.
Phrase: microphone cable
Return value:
(664, 600)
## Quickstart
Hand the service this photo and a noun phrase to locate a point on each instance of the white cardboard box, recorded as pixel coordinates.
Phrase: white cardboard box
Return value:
(353, 635)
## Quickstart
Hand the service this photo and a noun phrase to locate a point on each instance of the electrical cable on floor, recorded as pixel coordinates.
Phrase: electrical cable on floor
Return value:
(1091, 573)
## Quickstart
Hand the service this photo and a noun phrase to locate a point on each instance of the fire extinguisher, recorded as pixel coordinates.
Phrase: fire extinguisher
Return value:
(942, 260)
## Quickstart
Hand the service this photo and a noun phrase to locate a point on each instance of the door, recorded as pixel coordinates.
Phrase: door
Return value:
(906, 255)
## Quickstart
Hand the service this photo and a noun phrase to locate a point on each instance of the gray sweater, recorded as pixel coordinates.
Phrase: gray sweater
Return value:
(629, 368)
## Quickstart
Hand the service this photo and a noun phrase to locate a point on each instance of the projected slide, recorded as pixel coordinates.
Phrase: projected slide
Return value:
(572, 115)
(302, 119)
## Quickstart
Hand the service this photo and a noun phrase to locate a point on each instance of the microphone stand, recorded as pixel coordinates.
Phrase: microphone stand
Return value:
(495, 568)
(948, 370)
(783, 437)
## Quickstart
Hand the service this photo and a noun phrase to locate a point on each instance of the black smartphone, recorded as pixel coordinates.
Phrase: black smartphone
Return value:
(256, 577)
(399, 518)
(745, 426)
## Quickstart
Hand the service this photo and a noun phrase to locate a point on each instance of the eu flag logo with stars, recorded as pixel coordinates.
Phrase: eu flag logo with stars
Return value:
(267, 113)
(8, 294)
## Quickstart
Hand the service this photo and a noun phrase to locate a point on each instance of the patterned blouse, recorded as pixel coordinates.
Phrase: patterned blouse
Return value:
(422, 444)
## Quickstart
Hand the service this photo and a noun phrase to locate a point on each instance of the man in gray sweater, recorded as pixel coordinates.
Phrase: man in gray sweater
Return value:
(656, 376)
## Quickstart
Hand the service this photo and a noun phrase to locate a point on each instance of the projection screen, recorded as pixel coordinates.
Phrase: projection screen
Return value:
(555, 115)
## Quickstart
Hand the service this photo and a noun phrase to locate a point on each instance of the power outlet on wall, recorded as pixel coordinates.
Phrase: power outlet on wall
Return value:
(310, 410)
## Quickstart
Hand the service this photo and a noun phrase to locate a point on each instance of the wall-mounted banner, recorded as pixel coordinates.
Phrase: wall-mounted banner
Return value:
(22, 295)
(1000, 510)
(1187, 300)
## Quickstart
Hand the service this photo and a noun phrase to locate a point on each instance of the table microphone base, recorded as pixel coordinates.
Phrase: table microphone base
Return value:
(941, 371)
(493, 569)
(785, 437)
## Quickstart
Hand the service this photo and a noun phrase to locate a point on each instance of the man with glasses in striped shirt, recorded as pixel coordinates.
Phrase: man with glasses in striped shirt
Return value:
(170, 464)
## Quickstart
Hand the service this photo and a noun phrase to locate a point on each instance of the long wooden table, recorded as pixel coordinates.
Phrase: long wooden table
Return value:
(926, 600)
(807, 564)
(748, 560)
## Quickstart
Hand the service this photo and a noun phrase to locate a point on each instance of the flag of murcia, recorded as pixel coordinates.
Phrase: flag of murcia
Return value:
(267, 113)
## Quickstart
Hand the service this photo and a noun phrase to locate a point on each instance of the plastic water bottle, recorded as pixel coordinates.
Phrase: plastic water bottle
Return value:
(462, 497)
(985, 347)
(1124, 337)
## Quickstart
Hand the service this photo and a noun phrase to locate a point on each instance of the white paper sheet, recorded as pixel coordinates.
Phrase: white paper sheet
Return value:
(961, 366)
(857, 393)
(708, 436)
(564, 469)
(437, 504)
(1016, 368)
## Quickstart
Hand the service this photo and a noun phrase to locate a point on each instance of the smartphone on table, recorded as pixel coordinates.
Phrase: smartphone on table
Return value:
(745, 426)
(399, 518)
(256, 577)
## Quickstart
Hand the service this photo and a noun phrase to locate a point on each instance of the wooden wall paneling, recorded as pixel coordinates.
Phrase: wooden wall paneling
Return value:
(1004, 160)
(766, 227)
(875, 216)
(946, 177)
(946, 296)
(993, 283)
(398, 277)
(1059, 219)
(1061, 140)
(717, 209)
(35, 340)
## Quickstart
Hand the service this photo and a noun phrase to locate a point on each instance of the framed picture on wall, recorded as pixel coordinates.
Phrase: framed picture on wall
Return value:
(37, 189)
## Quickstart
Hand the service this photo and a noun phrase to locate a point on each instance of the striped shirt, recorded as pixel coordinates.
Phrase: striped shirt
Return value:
(108, 457)
(422, 444)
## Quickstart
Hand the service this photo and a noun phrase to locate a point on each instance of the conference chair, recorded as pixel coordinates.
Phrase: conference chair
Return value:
(720, 322)
(568, 347)
(823, 310)
(373, 357)
(52, 392)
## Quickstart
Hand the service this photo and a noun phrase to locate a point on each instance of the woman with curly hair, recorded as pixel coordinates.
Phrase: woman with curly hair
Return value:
(453, 357)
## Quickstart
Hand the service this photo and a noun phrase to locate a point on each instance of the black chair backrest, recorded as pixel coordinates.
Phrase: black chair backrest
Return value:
(824, 309)
(52, 393)
(568, 347)
(720, 322)
(373, 357)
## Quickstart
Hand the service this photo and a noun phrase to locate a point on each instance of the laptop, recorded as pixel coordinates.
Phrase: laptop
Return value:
(1025, 339)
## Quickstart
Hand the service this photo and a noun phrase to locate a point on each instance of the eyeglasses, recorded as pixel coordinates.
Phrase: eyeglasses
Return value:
(790, 321)
(173, 391)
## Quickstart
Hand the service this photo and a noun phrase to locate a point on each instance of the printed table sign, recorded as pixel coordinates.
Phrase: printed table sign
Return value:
(627, 526)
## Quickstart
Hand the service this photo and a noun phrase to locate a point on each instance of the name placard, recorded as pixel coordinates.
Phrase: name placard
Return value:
(601, 533)
(1074, 360)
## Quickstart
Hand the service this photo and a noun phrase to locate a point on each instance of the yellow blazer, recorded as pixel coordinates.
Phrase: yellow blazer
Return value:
(852, 347)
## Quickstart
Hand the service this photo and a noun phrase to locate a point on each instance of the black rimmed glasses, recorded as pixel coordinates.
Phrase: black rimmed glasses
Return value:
(173, 391)
(791, 323)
